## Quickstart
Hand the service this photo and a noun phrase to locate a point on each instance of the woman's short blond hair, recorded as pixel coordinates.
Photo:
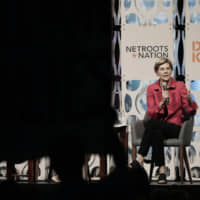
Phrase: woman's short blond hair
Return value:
(162, 61)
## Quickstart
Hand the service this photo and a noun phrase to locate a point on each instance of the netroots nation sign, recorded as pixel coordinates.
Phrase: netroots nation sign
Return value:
(146, 36)
(148, 51)
(141, 46)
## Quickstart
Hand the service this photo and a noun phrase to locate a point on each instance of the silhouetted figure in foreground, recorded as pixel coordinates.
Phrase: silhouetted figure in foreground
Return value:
(56, 91)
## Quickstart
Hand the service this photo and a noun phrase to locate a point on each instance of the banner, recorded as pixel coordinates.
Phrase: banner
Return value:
(146, 36)
(192, 74)
(141, 46)
(192, 41)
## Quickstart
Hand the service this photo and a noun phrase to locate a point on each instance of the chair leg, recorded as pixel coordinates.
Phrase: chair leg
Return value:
(103, 166)
(36, 169)
(10, 170)
(134, 152)
(30, 171)
(187, 164)
(50, 171)
(33, 166)
(86, 167)
(181, 162)
(151, 171)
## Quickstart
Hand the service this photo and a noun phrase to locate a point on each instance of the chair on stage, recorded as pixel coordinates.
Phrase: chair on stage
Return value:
(184, 140)
(32, 174)
(119, 128)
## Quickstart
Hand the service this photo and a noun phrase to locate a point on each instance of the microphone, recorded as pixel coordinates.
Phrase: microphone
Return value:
(164, 84)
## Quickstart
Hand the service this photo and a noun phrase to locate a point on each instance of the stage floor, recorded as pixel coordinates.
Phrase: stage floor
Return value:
(175, 190)
(50, 190)
(171, 183)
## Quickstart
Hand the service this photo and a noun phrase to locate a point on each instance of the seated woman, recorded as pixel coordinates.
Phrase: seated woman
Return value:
(166, 99)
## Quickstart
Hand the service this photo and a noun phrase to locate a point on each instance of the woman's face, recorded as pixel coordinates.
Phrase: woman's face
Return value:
(164, 72)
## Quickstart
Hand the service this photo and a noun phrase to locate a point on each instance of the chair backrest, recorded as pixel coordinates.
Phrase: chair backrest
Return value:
(186, 131)
(185, 135)
(137, 130)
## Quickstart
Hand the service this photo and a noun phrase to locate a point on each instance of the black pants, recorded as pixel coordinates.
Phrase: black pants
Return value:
(156, 131)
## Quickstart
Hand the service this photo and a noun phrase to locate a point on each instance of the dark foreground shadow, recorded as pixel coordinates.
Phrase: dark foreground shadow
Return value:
(56, 86)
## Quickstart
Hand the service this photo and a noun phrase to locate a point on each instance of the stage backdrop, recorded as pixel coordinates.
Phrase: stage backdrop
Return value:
(147, 34)
(143, 31)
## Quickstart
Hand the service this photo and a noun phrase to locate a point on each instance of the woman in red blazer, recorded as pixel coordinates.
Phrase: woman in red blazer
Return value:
(166, 99)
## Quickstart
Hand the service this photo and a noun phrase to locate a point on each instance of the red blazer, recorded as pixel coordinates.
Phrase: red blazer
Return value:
(177, 101)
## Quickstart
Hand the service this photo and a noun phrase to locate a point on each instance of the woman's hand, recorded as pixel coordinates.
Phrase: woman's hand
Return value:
(165, 96)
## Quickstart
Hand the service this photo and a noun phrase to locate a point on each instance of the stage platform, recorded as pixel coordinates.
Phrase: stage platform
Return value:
(51, 190)
(187, 191)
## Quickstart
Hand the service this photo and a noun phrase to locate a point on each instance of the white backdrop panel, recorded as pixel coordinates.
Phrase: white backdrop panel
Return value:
(141, 46)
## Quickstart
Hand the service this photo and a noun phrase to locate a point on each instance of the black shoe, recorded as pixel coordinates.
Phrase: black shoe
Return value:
(162, 179)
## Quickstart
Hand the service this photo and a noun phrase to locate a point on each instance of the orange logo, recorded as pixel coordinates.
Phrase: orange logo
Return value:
(196, 51)
(134, 55)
